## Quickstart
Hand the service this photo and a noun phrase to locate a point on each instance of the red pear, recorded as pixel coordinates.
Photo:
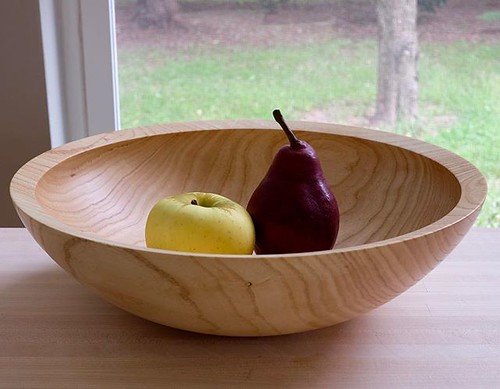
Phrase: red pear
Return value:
(293, 208)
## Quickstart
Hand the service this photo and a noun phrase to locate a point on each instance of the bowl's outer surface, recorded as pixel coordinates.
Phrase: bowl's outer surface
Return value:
(404, 206)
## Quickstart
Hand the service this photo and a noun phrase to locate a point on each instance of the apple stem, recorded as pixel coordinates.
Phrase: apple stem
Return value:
(194, 202)
(294, 142)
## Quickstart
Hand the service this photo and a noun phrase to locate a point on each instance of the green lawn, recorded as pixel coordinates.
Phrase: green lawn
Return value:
(243, 83)
(459, 90)
(490, 16)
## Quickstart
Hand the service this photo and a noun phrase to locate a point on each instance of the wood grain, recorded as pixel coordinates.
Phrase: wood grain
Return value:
(404, 206)
(442, 333)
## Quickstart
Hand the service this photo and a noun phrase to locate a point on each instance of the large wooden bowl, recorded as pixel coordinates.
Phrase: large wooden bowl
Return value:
(404, 205)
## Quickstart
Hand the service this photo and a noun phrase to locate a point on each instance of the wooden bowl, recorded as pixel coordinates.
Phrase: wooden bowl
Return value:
(404, 204)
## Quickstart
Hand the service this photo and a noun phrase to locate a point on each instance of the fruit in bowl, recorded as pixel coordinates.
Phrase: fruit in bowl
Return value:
(199, 222)
(293, 207)
(293, 210)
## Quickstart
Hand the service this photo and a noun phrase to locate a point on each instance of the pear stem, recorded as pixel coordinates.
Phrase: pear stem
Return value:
(294, 142)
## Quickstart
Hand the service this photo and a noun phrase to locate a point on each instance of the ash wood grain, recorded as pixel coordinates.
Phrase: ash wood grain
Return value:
(404, 206)
(444, 332)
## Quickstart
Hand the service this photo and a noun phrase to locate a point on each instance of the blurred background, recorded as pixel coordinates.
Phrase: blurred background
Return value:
(315, 60)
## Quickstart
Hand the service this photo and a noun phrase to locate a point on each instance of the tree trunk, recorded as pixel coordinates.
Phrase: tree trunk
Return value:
(156, 13)
(397, 90)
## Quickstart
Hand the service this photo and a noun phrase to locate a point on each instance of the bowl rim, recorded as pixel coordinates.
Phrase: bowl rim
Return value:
(23, 183)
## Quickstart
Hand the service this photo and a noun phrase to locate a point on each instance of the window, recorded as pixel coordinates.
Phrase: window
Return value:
(80, 66)
(315, 60)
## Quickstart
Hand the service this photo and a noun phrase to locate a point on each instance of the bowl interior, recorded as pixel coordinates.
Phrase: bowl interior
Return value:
(383, 190)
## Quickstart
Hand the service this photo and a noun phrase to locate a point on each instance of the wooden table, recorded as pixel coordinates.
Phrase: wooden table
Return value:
(442, 333)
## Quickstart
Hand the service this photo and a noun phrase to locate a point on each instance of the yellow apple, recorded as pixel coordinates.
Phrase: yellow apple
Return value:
(200, 223)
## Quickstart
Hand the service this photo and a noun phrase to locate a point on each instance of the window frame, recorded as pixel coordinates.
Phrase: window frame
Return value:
(80, 58)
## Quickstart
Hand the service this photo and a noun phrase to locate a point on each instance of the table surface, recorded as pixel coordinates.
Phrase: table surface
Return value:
(442, 333)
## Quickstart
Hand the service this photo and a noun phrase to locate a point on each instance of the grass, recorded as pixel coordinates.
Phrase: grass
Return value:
(490, 16)
(468, 85)
(241, 83)
(459, 82)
